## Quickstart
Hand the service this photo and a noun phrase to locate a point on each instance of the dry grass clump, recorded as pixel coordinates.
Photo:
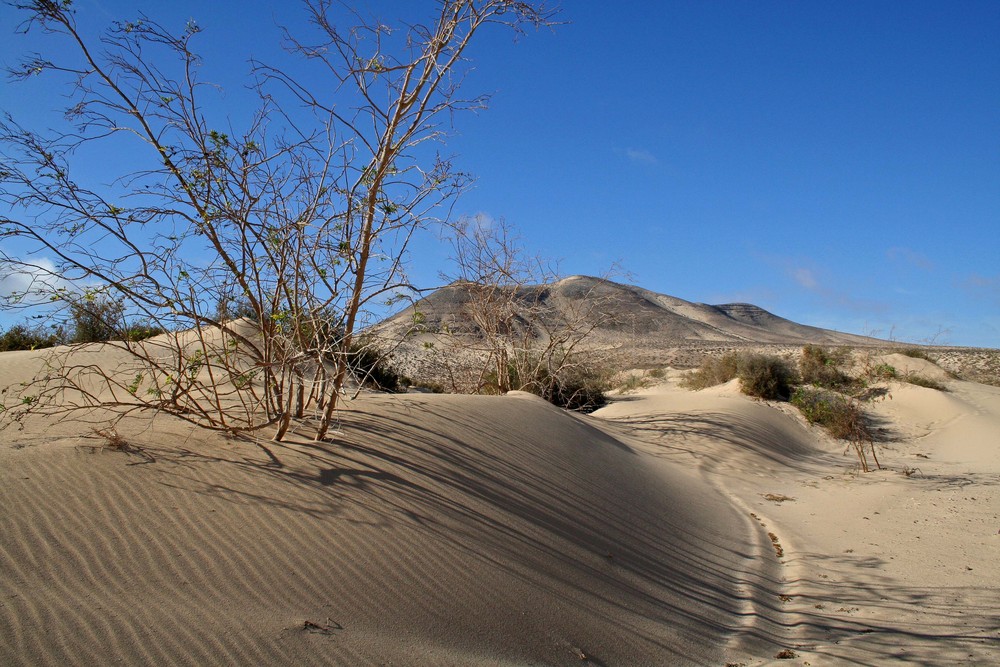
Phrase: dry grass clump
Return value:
(915, 353)
(633, 382)
(761, 375)
(923, 381)
(880, 372)
(713, 371)
(819, 366)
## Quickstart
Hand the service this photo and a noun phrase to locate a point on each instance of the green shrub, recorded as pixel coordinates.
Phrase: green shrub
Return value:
(765, 376)
(819, 366)
(923, 381)
(142, 330)
(881, 372)
(96, 320)
(840, 416)
(24, 337)
(713, 371)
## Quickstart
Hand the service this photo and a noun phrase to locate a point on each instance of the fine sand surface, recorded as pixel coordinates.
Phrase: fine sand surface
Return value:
(462, 530)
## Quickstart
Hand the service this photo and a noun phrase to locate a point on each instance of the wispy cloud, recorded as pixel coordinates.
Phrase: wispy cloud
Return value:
(805, 278)
(29, 281)
(640, 156)
(981, 286)
(482, 221)
(805, 274)
(909, 256)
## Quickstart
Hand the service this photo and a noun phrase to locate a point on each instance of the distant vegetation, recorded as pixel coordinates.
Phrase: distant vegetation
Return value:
(713, 371)
(760, 375)
(26, 337)
(90, 321)
(765, 376)
(823, 390)
(915, 353)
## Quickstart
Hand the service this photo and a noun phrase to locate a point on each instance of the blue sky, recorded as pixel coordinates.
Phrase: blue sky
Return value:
(835, 163)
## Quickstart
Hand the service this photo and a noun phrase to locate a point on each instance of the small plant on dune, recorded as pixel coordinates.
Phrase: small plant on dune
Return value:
(841, 417)
(574, 387)
(765, 376)
(915, 353)
(820, 367)
(632, 382)
(881, 372)
(924, 381)
(113, 440)
(713, 371)
(140, 331)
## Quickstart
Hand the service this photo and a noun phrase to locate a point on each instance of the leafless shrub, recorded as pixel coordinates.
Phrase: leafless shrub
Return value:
(303, 219)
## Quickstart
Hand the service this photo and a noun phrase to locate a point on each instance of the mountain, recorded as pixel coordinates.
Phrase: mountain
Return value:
(626, 313)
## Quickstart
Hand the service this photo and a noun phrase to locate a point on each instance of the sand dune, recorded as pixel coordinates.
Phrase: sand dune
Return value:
(462, 530)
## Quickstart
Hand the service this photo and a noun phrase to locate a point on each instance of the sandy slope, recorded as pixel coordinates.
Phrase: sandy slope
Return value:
(434, 530)
(500, 530)
(898, 566)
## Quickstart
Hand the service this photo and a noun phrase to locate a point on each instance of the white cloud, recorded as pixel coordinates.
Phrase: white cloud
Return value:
(805, 278)
(909, 256)
(482, 221)
(981, 286)
(28, 282)
(640, 156)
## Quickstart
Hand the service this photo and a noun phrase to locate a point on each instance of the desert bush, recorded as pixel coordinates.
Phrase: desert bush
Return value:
(24, 337)
(96, 320)
(765, 376)
(881, 372)
(713, 371)
(819, 366)
(574, 387)
(924, 381)
(837, 414)
(273, 210)
(577, 389)
(840, 416)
